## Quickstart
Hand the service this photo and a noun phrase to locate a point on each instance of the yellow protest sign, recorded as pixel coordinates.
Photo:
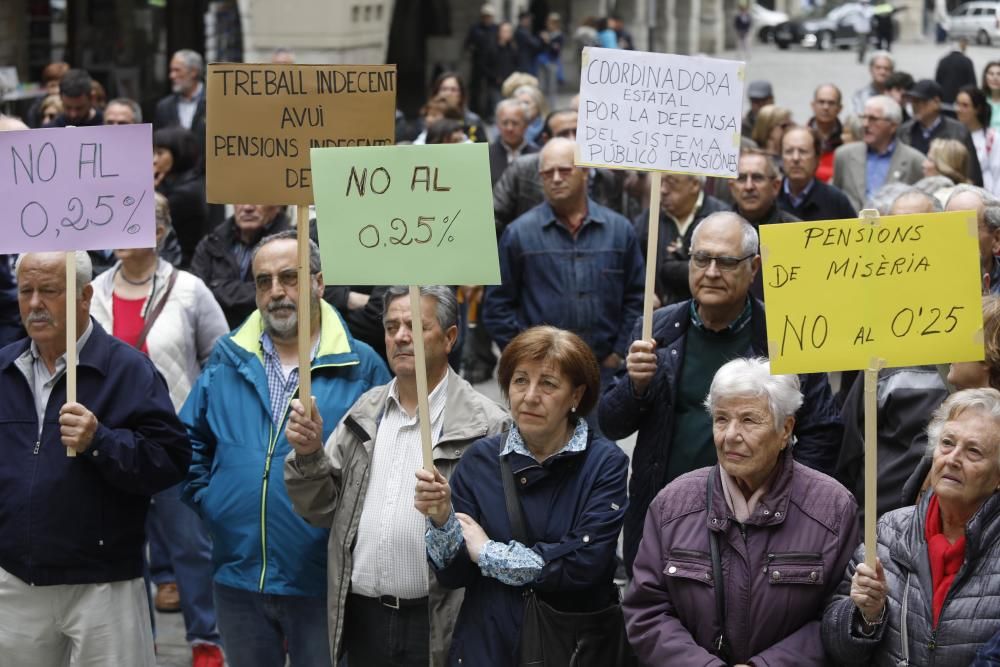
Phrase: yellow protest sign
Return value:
(263, 119)
(895, 291)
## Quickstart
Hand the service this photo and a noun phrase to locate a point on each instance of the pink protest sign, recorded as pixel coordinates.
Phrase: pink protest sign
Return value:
(77, 188)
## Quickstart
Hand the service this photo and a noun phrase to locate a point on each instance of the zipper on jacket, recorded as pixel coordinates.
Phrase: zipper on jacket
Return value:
(38, 444)
(273, 441)
(793, 556)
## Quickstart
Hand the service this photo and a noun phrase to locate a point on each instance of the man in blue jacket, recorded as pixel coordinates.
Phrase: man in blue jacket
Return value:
(72, 526)
(270, 565)
(661, 391)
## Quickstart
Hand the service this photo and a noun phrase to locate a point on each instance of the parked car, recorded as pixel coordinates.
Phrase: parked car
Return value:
(765, 20)
(836, 29)
(979, 21)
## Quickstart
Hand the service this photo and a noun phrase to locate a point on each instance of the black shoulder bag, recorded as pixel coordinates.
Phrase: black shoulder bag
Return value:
(720, 646)
(553, 638)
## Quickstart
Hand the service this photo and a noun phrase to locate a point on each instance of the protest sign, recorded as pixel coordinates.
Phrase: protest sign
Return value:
(414, 215)
(81, 188)
(904, 289)
(659, 112)
(864, 294)
(262, 121)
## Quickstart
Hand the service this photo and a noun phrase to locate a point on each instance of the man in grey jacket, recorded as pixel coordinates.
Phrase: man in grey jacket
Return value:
(361, 488)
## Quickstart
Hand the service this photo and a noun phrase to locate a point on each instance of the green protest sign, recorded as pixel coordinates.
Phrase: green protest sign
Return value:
(411, 215)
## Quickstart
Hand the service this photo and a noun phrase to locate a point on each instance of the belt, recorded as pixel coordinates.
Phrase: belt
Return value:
(393, 602)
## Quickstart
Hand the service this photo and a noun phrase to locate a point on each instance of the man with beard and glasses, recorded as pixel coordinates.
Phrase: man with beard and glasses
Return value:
(270, 566)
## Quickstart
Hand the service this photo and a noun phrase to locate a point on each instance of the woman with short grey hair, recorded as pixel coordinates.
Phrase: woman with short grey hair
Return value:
(934, 594)
(736, 560)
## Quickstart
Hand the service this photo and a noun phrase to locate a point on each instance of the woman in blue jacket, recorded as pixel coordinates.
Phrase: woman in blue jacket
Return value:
(570, 483)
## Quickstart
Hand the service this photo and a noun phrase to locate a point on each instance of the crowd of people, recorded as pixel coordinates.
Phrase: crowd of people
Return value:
(203, 484)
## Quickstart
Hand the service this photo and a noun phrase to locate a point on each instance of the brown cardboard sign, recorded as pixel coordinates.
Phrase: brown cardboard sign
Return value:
(263, 119)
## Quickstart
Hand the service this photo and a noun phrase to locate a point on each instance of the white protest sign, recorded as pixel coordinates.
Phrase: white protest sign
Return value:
(659, 112)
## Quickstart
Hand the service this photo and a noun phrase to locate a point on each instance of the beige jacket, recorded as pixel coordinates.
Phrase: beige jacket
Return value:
(328, 490)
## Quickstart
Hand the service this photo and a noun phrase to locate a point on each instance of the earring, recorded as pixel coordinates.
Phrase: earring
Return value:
(573, 409)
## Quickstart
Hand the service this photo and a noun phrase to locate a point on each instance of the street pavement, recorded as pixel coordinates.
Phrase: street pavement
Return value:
(794, 75)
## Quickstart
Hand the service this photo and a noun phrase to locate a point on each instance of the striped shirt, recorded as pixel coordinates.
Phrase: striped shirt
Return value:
(390, 556)
(282, 381)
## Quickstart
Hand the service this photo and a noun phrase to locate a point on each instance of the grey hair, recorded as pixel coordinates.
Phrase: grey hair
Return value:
(8, 123)
(929, 185)
(752, 377)
(883, 198)
(991, 204)
(315, 266)
(84, 268)
(985, 399)
(512, 104)
(131, 104)
(924, 190)
(890, 107)
(192, 59)
(446, 311)
(853, 125)
(750, 241)
(881, 54)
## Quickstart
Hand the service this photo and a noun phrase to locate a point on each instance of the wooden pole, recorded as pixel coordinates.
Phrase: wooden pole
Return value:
(305, 316)
(70, 333)
(420, 368)
(871, 463)
(653, 242)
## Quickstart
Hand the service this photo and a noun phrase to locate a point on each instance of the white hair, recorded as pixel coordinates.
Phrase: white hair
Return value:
(752, 378)
(513, 105)
(890, 107)
(84, 268)
(985, 400)
(749, 242)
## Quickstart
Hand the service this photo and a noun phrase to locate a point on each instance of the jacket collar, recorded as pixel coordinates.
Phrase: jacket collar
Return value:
(336, 346)
(771, 510)
(982, 530)
(96, 354)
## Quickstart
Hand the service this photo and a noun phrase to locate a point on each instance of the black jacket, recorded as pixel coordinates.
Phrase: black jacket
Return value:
(954, 71)
(822, 202)
(185, 193)
(672, 269)
(166, 114)
(774, 216)
(910, 134)
(498, 158)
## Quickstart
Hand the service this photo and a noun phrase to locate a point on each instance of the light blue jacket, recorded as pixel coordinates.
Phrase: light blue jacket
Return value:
(235, 481)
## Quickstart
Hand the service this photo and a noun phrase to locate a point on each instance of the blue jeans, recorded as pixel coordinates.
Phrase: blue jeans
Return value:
(257, 626)
(178, 537)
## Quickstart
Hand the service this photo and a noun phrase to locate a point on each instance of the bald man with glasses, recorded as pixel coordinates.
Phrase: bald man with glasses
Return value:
(661, 390)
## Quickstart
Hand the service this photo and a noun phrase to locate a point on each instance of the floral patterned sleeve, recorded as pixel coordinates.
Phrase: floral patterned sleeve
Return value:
(513, 563)
(444, 542)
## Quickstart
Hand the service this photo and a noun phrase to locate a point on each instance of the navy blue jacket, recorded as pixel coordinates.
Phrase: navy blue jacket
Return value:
(822, 202)
(818, 428)
(591, 284)
(989, 653)
(573, 505)
(81, 520)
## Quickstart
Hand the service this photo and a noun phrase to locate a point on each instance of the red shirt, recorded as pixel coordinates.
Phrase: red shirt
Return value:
(128, 318)
(946, 558)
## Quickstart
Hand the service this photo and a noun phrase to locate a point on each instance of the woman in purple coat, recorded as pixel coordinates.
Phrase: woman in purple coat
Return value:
(737, 560)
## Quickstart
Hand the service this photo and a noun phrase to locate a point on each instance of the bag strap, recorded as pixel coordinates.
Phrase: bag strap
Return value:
(514, 511)
(153, 314)
(720, 596)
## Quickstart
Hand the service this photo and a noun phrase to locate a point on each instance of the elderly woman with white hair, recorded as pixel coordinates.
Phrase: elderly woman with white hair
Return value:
(934, 595)
(737, 560)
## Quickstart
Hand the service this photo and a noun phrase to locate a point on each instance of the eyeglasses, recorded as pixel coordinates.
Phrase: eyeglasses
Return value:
(568, 133)
(703, 260)
(868, 118)
(288, 278)
(756, 177)
(825, 103)
(563, 172)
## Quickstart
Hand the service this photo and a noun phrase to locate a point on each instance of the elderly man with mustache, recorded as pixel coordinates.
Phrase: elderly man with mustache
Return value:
(270, 566)
(72, 528)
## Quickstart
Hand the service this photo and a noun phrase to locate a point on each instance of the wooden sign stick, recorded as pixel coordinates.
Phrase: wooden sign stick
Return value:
(305, 316)
(653, 241)
(70, 333)
(871, 462)
(420, 367)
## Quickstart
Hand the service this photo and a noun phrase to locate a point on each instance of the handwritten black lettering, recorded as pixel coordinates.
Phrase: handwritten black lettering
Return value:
(34, 167)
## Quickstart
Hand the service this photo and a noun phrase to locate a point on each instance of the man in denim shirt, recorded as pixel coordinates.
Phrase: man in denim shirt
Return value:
(571, 263)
